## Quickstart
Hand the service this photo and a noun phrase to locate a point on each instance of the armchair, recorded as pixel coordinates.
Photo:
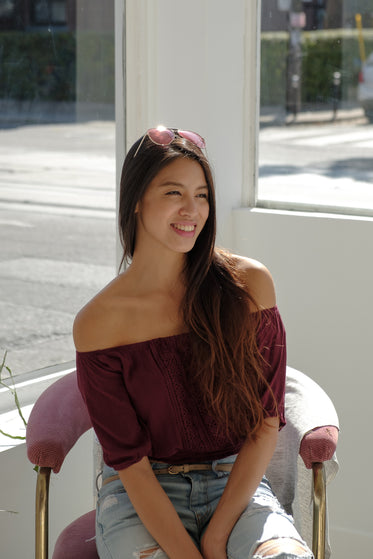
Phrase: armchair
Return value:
(59, 418)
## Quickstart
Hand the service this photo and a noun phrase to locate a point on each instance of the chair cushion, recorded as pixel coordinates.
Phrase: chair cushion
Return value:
(319, 445)
(77, 541)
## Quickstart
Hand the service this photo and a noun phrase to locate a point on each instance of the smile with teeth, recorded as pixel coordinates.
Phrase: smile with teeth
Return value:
(183, 227)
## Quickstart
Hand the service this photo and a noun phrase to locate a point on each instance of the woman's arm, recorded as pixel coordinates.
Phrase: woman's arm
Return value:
(157, 512)
(247, 472)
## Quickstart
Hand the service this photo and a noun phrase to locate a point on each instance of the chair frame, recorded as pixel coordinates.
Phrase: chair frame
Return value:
(51, 458)
(42, 512)
(319, 510)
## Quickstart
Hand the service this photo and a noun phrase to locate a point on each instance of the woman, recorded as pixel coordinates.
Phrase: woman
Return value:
(181, 362)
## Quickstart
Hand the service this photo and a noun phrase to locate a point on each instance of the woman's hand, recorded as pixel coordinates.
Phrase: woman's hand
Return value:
(213, 546)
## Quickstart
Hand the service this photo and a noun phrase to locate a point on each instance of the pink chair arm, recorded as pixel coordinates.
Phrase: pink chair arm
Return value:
(58, 418)
(318, 445)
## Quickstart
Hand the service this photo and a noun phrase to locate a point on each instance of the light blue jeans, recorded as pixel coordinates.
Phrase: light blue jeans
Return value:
(120, 533)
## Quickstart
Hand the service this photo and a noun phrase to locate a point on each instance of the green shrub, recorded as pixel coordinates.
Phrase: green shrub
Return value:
(273, 69)
(320, 59)
(37, 66)
(43, 66)
(95, 67)
(323, 53)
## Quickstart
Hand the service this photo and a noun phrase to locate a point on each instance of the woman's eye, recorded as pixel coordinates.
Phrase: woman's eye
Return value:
(172, 193)
(203, 195)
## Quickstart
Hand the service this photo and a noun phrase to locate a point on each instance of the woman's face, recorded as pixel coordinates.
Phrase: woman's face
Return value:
(174, 208)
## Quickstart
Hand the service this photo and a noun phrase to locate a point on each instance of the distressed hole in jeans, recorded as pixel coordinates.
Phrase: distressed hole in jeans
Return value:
(272, 548)
(110, 501)
(149, 552)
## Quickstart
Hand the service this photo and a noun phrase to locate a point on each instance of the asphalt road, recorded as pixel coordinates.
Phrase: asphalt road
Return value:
(57, 235)
(328, 163)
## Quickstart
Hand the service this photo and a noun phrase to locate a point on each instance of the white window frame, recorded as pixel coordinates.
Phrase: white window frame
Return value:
(250, 197)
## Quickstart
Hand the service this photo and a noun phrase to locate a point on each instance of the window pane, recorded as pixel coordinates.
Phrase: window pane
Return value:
(7, 8)
(57, 180)
(40, 11)
(58, 12)
(316, 133)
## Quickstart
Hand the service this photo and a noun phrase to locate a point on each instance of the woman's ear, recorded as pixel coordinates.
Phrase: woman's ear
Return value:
(137, 208)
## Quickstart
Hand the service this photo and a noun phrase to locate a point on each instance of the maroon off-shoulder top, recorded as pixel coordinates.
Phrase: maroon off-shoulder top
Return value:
(141, 403)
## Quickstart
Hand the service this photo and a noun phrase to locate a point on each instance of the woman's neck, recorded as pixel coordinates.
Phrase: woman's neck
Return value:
(154, 272)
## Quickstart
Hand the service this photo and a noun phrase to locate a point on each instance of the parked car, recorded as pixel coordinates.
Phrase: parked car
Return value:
(365, 87)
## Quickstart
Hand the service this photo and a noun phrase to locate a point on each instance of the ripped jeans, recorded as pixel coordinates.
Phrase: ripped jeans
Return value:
(120, 533)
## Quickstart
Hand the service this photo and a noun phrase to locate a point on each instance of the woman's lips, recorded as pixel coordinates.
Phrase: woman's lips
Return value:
(184, 229)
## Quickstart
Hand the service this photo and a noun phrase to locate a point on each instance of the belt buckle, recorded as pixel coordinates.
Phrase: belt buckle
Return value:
(172, 470)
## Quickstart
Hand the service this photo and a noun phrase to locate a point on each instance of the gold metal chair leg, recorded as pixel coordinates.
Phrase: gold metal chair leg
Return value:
(319, 511)
(41, 513)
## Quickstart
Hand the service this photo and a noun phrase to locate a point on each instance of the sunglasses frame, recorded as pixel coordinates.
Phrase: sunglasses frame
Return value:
(176, 132)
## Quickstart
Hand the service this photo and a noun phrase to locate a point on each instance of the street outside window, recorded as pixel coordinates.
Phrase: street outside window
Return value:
(57, 174)
(316, 113)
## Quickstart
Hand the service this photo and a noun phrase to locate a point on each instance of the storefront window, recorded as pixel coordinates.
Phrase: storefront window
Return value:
(316, 117)
(57, 173)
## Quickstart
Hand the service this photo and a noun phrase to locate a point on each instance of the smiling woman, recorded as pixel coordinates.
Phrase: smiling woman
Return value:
(181, 362)
(176, 202)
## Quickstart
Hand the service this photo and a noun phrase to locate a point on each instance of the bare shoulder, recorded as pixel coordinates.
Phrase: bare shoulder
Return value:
(96, 324)
(86, 325)
(258, 280)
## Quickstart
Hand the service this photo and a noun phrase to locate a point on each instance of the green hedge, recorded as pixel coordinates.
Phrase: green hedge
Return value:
(322, 55)
(37, 66)
(43, 66)
(273, 70)
(95, 67)
(320, 59)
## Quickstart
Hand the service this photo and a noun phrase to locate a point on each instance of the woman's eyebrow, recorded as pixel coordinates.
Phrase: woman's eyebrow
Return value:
(180, 184)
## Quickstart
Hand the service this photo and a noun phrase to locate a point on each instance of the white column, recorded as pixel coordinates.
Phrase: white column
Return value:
(185, 67)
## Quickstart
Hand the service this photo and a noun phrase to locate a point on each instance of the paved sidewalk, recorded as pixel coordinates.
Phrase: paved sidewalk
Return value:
(277, 116)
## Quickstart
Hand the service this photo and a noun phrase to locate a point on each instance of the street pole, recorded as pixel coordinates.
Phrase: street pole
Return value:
(296, 20)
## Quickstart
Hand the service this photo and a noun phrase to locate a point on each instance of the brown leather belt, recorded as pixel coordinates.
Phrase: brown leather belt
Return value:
(181, 469)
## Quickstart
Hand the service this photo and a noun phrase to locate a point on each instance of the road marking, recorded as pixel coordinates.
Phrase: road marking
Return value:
(319, 138)
(57, 210)
(13, 223)
(364, 145)
(57, 272)
(335, 139)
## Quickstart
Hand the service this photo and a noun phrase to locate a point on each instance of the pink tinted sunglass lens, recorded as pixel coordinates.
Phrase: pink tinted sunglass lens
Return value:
(196, 139)
(161, 137)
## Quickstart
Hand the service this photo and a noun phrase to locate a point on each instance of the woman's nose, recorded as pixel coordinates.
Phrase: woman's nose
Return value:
(188, 206)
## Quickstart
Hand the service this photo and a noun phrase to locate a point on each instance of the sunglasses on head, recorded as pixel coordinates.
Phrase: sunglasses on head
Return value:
(165, 136)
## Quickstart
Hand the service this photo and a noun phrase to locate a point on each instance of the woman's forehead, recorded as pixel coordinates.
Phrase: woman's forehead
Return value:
(183, 171)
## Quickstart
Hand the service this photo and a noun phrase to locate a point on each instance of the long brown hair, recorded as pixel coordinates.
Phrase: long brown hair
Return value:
(217, 307)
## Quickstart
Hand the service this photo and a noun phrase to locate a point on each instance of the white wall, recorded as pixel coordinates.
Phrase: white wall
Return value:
(71, 495)
(188, 69)
(324, 279)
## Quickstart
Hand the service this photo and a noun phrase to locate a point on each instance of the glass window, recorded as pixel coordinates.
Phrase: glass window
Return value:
(8, 14)
(45, 12)
(7, 8)
(316, 115)
(57, 178)
(58, 12)
(40, 12)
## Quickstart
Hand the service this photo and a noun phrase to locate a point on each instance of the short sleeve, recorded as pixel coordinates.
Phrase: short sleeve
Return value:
(123, 438)
(271, 341)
